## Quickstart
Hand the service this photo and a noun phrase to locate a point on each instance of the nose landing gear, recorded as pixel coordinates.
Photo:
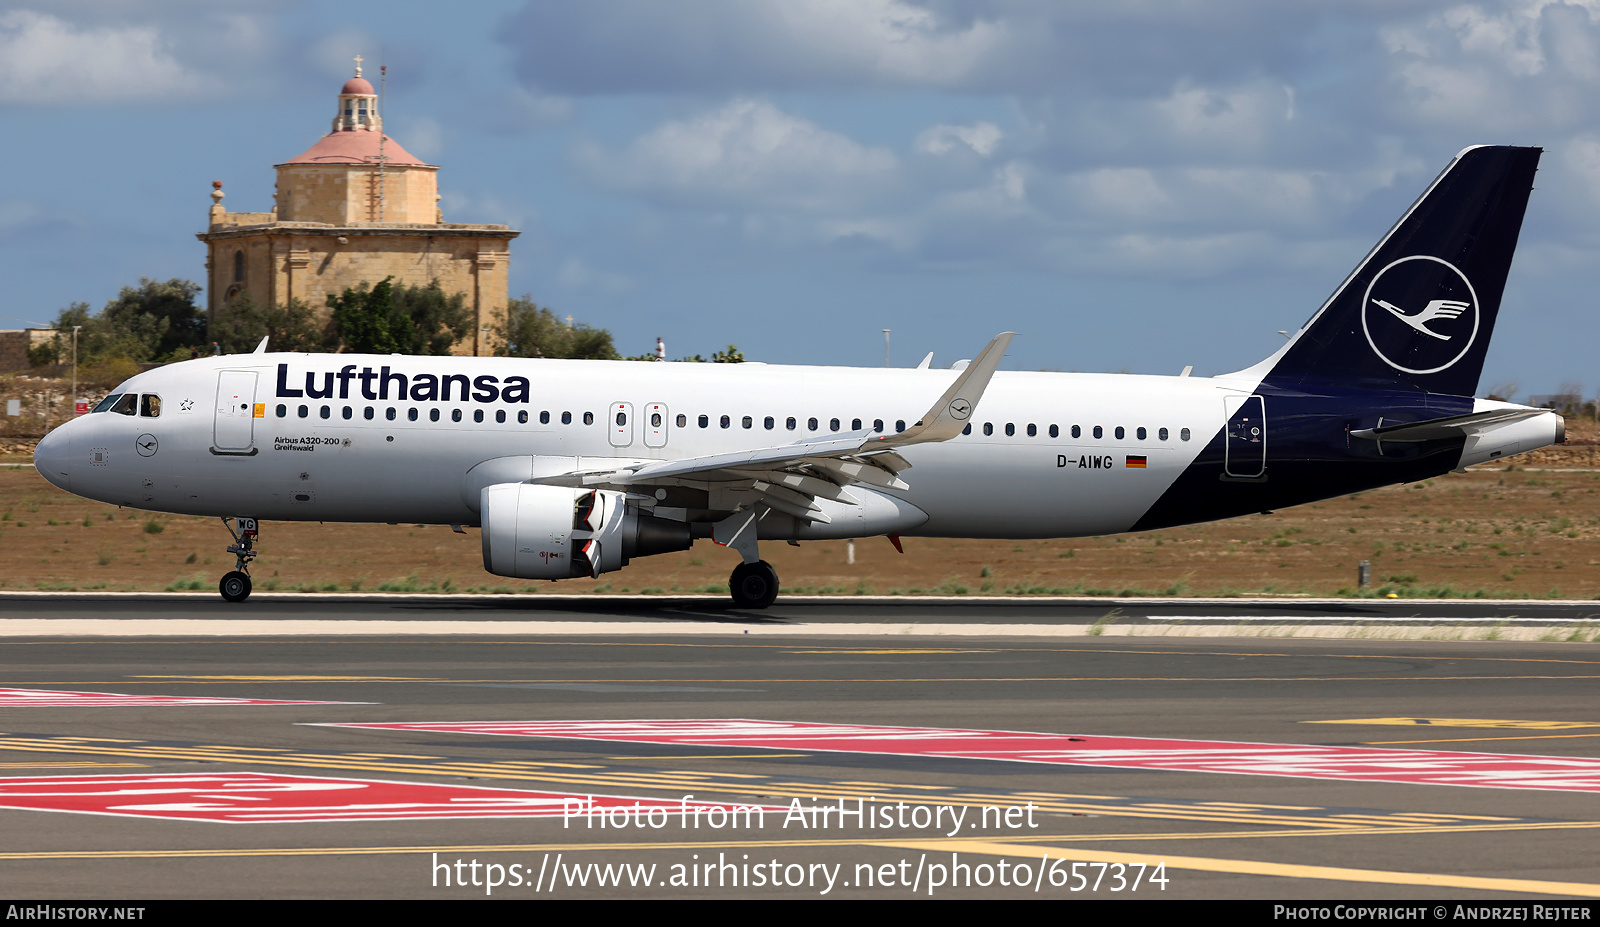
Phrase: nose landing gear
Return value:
(235, 585)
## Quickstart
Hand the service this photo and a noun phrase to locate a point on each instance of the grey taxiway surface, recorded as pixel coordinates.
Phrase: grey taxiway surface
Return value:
(408, 660)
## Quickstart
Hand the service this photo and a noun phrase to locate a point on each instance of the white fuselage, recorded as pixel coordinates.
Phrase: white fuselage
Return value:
(222, 448)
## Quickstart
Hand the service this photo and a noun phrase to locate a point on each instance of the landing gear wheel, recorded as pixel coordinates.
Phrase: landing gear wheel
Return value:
(235, 586)
(753, 585)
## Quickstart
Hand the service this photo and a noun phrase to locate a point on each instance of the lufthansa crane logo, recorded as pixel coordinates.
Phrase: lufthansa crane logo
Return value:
(960, 409)
(1420, 314)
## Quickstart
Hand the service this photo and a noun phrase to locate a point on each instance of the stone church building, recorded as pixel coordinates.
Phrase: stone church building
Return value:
(356, 208)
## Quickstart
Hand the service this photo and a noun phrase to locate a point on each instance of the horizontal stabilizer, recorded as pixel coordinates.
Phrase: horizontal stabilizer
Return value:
(1454, 426)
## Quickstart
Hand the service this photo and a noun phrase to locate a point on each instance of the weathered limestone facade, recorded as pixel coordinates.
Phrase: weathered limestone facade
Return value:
(354, 209)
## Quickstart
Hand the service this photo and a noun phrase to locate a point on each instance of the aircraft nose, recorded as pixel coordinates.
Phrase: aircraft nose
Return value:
(51, 456)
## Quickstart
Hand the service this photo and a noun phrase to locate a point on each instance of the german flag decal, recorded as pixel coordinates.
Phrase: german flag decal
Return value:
(1135, 462)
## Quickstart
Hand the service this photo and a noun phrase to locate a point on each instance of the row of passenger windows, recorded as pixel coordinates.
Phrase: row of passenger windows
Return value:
(726, 421)
(413, 414)
(1119, 432)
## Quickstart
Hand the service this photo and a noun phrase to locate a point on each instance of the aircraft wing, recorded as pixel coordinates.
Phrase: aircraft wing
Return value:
(789, 477)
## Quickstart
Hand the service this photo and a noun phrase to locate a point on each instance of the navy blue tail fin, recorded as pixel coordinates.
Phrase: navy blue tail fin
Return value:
(1419, 310)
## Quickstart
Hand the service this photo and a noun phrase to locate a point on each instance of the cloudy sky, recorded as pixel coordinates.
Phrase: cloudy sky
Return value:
(1133, 186)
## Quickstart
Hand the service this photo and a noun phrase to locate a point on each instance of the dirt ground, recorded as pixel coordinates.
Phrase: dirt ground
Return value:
(1532, 531)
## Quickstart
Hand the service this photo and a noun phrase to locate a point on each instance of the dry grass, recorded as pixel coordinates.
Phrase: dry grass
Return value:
(1495, 533)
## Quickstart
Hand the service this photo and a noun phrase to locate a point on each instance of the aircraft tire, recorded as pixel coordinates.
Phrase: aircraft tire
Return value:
(753, 585)
(235, 586)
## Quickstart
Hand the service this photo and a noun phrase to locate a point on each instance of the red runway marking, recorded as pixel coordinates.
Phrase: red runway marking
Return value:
(44, 698)
(259, 798)
(1435, 767)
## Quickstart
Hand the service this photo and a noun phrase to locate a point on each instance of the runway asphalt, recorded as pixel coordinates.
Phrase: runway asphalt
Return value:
(1361, 770)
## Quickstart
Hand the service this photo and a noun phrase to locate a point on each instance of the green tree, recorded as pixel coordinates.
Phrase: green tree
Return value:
(731, 356)
(386, 319)
(292, 326)
(534, 331)
(152, 321)
(164, 313)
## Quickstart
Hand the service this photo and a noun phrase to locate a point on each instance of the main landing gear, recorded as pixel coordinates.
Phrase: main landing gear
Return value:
(753, 585)
(235, 586)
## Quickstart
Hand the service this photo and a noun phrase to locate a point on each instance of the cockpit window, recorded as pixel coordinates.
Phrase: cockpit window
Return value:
(150, 407)
(106, 403)
(127, 404)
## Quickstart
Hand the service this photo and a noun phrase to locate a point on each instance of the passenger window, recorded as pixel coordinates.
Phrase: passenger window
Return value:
(1099, 432)
(988, 428)
(1033, 430)
(682, 420)
(1162, 434)
(967, 430)
(477, 415)
(833, 424)
(411, 415)
(1184, 434)
(855, 424)
(1010, 429)
(326, 411)
(544, 418)
(768, 423)
(500, 416)
(367, 413)
(150, 406)
(566, 418)
(749, 422)
(282, 410)
(704, 421)
(790, 423)
(655, 419)
(1120, 432)
(522, 417)
(726, 421)
(877, 425)
(588, 418)
(1140, 434)
(433, 415)
(304, 411)
(1055, 432)
(455, 415)
(389, 413)
(1077, 432)
(622, 418)
(347, 412)
(899, 425)
(811, 423)
(127, 405)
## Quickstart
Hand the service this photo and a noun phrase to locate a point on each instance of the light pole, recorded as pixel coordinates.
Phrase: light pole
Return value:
(74, 396)
(886, 347)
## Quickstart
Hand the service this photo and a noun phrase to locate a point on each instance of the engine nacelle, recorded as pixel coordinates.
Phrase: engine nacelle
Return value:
(556, 532)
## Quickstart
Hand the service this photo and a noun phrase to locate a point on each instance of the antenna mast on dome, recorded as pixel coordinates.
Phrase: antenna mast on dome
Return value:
(383, 86)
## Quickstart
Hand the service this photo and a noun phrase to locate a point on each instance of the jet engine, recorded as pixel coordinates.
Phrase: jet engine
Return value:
(556, 532)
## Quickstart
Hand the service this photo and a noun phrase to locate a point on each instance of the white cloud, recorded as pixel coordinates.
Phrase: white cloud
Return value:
(46, 60)
(745, 154)
(1519, 65)
(615, 45)
(981, 137)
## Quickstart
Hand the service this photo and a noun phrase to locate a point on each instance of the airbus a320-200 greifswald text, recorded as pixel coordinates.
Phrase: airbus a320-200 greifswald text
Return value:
(574, 468)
